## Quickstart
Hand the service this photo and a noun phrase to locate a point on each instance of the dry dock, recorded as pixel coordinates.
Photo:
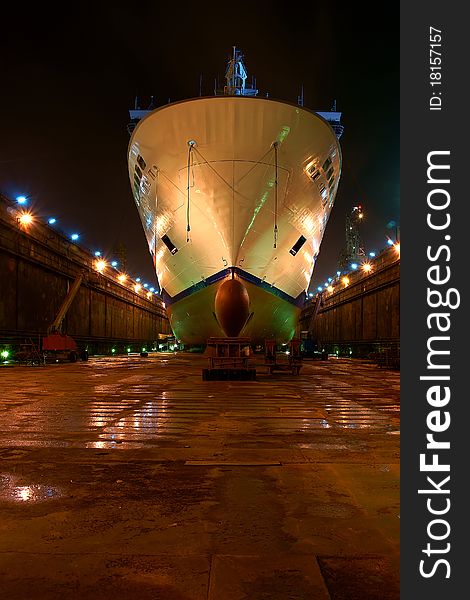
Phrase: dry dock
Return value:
(131, 477)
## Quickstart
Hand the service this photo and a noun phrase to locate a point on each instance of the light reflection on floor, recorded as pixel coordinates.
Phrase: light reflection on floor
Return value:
(12, 491)
(164, 397)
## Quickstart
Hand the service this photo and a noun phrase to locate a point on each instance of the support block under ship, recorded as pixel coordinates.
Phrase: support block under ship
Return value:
(234, 192)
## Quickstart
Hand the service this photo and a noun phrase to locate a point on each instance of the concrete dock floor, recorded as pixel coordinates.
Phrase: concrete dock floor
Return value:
(131, 477)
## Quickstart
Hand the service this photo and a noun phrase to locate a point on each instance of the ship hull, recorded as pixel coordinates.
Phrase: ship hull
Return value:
(193, 318)
(238, 185)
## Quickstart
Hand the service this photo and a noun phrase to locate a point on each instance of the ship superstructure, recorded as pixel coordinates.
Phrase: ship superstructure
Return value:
(234, 192)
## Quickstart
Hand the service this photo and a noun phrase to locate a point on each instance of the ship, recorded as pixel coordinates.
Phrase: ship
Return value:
(234, 192)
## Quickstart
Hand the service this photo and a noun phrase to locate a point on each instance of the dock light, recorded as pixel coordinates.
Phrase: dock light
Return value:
(5, 354)
(390, 242)
(74, 237)
(114, 263)
(25, 219)
(372, 254)
(367, 267)
(330, 288)
(113, 350)
(97, 253)
(51, 221)
(345, 281)
(21, 199)
(128, 350)
(354, 266)
(100, 265)
(137, 288)
(122, 278)
(144, 349)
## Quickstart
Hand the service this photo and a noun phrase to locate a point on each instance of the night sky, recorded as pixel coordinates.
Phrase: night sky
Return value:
(68, 80)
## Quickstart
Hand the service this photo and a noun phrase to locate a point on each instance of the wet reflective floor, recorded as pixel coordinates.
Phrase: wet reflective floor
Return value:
(131, 475)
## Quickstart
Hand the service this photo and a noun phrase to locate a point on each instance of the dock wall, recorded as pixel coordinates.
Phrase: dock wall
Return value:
(359, 318)
(38, 265)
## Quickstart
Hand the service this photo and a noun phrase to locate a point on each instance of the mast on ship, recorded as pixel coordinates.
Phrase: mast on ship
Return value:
(236, 75)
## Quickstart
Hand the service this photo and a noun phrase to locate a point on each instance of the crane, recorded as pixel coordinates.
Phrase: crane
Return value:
(354, 248)
(56, 343)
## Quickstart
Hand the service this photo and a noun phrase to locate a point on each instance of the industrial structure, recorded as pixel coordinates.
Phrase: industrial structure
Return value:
(353, 250)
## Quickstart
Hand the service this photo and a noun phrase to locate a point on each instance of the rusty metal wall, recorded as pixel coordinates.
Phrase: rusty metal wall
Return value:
(37, 267)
